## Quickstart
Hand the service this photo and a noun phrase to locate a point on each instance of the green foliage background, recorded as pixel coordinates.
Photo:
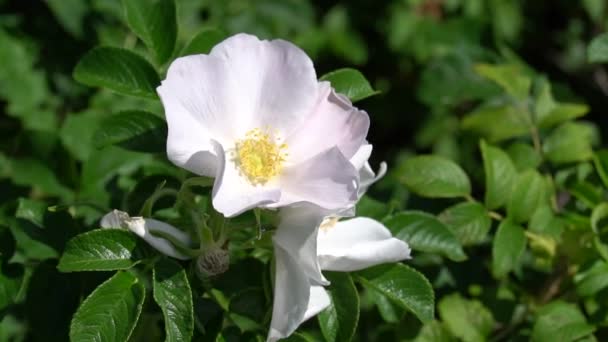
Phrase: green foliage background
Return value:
(490, 114)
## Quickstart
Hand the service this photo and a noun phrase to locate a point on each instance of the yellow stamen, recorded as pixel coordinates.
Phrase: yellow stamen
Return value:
(328, 223)
(260, 156)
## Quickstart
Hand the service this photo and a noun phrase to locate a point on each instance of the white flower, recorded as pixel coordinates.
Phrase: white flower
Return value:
(346, 246)
(253, 115)
(145, 228)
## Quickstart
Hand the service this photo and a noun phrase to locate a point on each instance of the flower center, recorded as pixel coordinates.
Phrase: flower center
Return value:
(260, 156)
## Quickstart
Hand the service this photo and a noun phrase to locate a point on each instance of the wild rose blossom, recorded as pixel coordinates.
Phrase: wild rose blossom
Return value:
(253, 115)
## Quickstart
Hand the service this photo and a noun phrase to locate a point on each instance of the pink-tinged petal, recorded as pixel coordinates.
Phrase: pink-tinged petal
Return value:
(333, 122)
(244, 83)
(369, 177)
(291, 295)
(233, 193)
(319, 301)
(327, 180)
(297, 234)
(361, 156)
(358, 243)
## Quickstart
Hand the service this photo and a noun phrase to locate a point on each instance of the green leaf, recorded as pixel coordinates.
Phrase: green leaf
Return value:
(508, 76)
(70, 14)
(351, 83)
(524, 156)
(204, 41)
(500, 175)
(469, 320)
(405, 286)
(173, 294)
(118, 69)
(102, 250)
(527, 195)
(560, 321)
(155, 23)
(110, 312)
(339, 321)
(586, 192)
(507, 248)
(433, 176)
(133, 130)
(497, 123)
(599, 218)
(434, 332)
(423, 232)
(570, 142)
(600, 160)
(11, 277)
(592, 280)
(469, 221)
(597, 52)
(561, 113)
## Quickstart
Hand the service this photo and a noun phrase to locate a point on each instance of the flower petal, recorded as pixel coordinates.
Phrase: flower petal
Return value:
(319, 301)
(143, 227)
(234, 194)
(334, 122)
(297, 234)
(114, 219)
(358, 243)
(244, 83)
(291, 295)
(361, 156)
(368, 177)
(328, 180)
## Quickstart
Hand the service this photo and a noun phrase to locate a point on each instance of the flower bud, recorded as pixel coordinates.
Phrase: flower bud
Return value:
(212, 262)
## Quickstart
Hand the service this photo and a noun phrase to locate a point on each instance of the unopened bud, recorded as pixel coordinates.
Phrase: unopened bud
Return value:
(213, 262)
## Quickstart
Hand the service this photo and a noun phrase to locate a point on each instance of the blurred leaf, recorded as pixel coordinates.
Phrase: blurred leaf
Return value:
(507, 248)
(11, 276)
(600, 160)
(527, 194)
(597, 52)
(570, 142)
(339, 321)
(544, 222)
(586, 192)
(560, 321)
(497, 123)
(592, 280)
(434, 331)
(173, 294)
(133, 130)
(403, 285)
(433, 176)
(469, 221)
(509, 76)
(350, 83)
(369, 207)
(524, 156)
(34, 173)
(423, 232)
(450, 80)
(102, 250)
(111, 312)
(250, 306)
(469, 320)
(31, 210)
(70, 14)
(7, 244)
(599, 218)
(118, 69)
(23, 87)
(76, 133)
(500, 174)
(155, 23)
(204, 41)
(561, 113)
